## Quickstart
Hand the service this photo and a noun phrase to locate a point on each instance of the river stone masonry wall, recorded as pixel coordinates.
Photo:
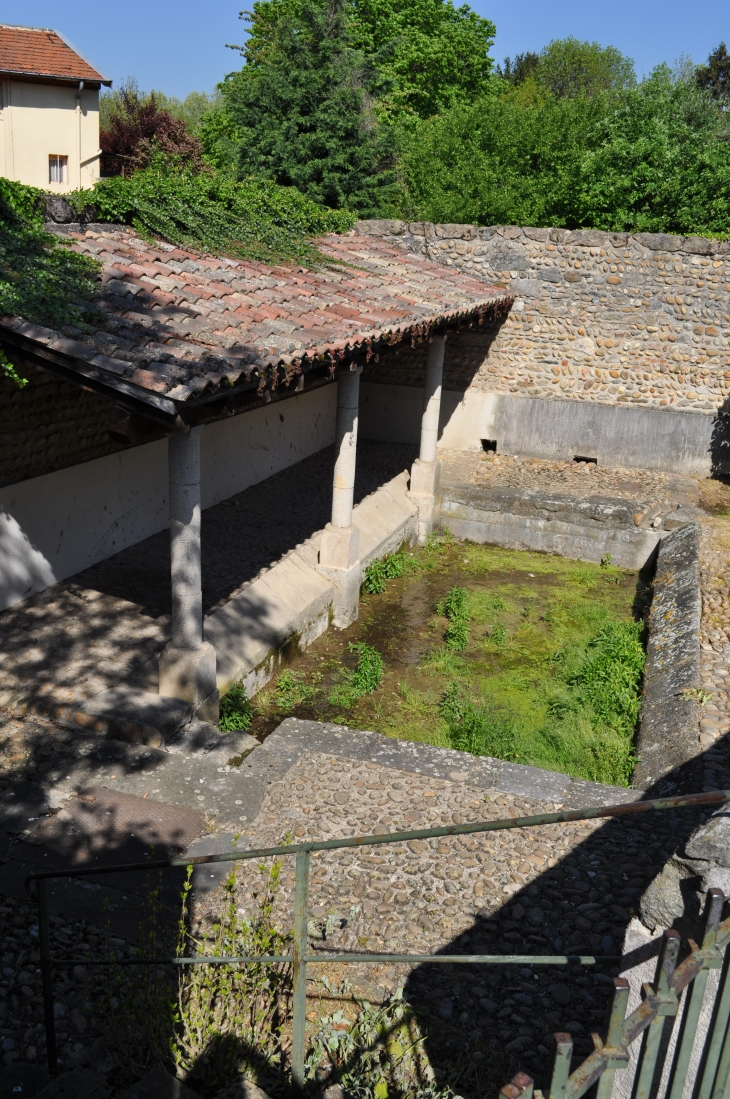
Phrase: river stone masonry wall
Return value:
(640, 319)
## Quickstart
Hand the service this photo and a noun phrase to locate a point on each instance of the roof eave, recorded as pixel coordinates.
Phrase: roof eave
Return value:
(175, 415)
(54, 78)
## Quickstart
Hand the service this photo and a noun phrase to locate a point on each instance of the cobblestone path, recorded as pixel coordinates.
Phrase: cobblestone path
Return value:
(535, 891)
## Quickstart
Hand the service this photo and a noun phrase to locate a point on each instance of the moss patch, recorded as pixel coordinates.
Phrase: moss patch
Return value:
(540, 656)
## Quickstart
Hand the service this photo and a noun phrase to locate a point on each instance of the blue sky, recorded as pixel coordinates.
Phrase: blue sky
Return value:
(180, 47)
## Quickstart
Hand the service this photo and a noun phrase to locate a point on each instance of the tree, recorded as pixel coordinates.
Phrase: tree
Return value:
(567, 67)
(519, 70)
(136, 128)
(714, 77)
(430, 54)
(302, 107)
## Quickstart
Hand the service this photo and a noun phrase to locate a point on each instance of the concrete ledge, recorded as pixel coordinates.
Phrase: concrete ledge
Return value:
(294, 737)
(291, 603)
(669, 727)
(584, 529)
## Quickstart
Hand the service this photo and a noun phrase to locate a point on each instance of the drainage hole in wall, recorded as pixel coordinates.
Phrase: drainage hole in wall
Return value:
(489, 445)
(583, 458)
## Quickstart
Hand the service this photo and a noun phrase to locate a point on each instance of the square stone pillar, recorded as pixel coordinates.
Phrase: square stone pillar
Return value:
(426, 470)
(187, 663)
(339, 554)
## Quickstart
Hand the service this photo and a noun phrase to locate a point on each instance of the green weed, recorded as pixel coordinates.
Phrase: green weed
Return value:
(380, 571)
(454, 607)
(363, 680)
(442, 662)
(236, 711)
(481, 729)
(291, 692)
(378, 1056)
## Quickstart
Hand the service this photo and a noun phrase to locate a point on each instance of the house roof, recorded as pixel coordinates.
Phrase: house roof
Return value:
(41, 52)
(184, 329)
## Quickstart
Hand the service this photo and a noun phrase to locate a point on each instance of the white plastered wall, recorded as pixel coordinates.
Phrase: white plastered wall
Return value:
(54, 526)
(39, 120)
(392, 413)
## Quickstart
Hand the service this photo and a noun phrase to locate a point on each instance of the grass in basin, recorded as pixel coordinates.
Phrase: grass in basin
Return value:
(524, 656)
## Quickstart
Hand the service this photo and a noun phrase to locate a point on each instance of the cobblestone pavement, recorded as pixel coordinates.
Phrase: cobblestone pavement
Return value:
(534, 891)
(576, 478)
(107, 625)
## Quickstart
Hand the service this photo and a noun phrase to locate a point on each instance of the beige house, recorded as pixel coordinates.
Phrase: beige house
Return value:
(49, 111)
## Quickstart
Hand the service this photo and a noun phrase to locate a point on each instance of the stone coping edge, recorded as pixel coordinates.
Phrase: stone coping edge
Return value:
(668, 736)
(295, 736)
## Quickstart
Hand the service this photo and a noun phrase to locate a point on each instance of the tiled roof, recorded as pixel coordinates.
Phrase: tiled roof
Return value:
(36, 51)
(184, 327)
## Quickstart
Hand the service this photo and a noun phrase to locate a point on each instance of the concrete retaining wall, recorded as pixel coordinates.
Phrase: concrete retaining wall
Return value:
(557, 430)
(53, 526)
(586, 530)
(289, 605)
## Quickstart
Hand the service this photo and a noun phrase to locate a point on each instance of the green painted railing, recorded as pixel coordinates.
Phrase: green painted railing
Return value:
(300, 957)
(661, 1001)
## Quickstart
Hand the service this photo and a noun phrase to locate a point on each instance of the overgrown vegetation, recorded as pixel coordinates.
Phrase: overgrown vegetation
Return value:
(363, 680)
(378, 1055)
(40, 279)
(591, 706)
(382, 569)
(211, 211)
(218, 1021)
(236, 711)
(454, 607)
(521, 656)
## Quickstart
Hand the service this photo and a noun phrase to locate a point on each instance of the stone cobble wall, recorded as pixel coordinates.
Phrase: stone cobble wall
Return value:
(49, 425)
(607, 317)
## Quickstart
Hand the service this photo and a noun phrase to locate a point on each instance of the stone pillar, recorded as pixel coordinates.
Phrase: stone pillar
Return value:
(187, 663)
(339, 555)
(426, 470)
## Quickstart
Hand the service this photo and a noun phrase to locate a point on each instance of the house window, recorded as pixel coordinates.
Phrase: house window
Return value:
(58, 169)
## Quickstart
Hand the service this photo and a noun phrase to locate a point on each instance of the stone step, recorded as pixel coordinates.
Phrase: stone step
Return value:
(134, 716)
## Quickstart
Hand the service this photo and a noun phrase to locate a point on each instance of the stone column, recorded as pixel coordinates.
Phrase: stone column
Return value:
(426, 470)
(339, 555)
(187, 663)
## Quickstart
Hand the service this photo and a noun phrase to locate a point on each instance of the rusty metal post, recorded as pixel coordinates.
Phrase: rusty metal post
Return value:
(614, 1045)
(667, 1006)
(299, 1006)
(561, 1066)
(520, 1086)
(46, 976)
(695, 995)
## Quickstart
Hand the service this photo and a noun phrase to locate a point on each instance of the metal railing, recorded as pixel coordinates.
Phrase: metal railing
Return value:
(299, 956)
(658, 1066)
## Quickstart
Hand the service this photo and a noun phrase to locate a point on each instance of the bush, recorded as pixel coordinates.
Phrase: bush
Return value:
(40, 278)
(383, 569)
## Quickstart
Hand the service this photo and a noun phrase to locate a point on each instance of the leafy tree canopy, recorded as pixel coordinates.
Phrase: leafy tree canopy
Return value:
(652, 157)
(302, 109)
(568, 67)
(714, 77)
(430, 53)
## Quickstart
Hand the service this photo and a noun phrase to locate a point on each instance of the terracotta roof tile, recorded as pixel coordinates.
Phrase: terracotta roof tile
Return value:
(226, 323)
(36, 51)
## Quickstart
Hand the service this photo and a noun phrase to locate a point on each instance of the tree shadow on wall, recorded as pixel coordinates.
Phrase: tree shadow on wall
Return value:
(720, 444)
(484, 1023)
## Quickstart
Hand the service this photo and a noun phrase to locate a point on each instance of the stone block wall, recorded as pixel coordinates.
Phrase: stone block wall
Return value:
(49, 425)
(640, 319)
